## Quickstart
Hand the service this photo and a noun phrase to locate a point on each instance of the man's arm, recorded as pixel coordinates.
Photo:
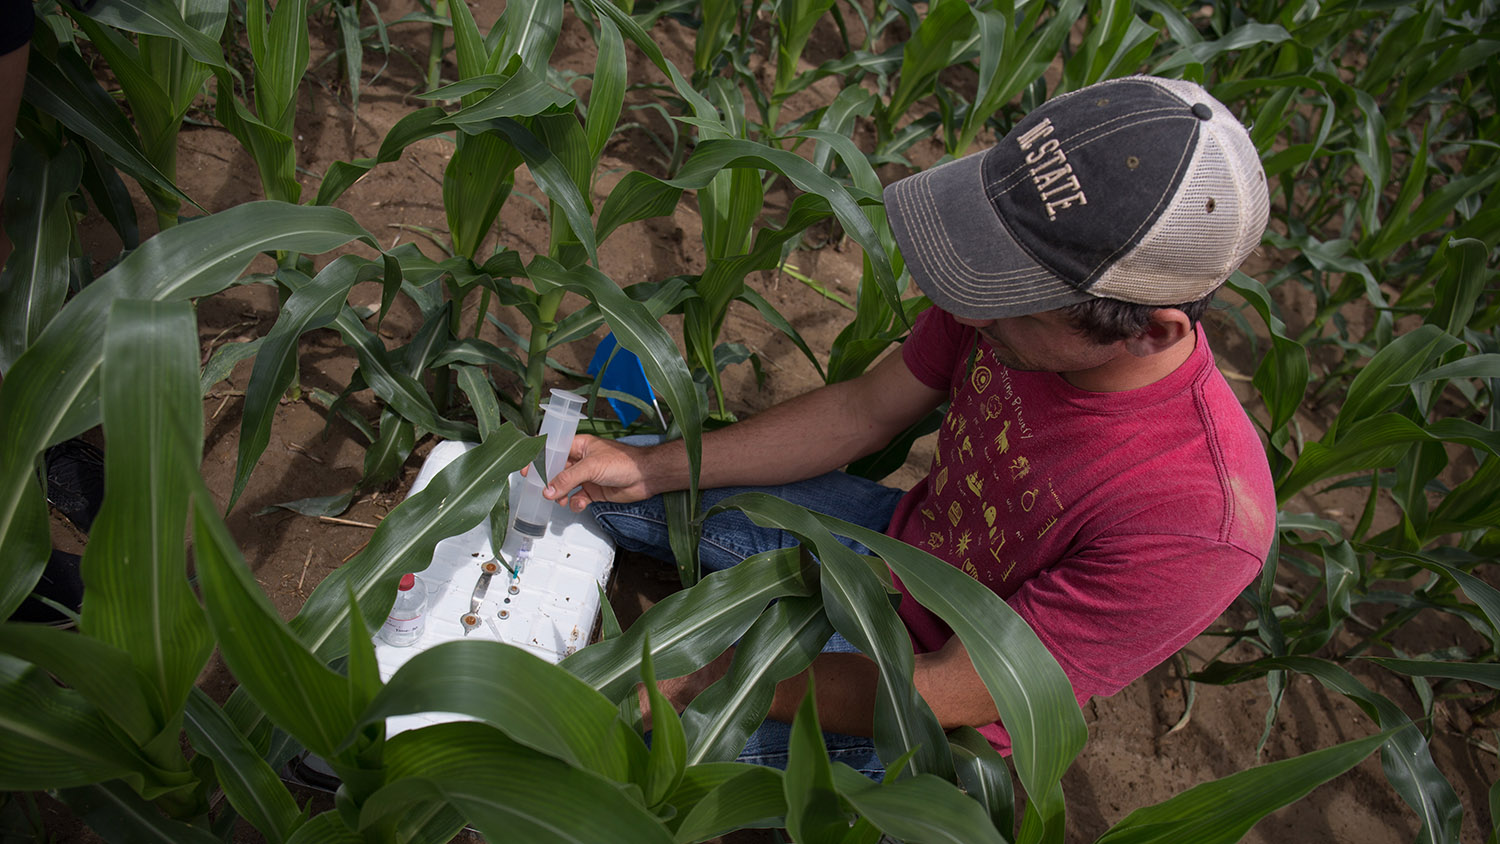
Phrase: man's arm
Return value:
(800, 438)
(848, 684)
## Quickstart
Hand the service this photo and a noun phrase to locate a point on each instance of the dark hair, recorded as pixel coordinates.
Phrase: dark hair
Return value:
(1108, 321)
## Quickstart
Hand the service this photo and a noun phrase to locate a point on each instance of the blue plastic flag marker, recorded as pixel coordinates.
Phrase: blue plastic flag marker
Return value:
(624, 375)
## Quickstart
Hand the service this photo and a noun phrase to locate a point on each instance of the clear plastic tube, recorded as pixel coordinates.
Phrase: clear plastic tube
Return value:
(559, 423)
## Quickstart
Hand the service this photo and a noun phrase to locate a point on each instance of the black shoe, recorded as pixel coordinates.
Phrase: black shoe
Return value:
(75, 481)
(62, 583)
(75, 486)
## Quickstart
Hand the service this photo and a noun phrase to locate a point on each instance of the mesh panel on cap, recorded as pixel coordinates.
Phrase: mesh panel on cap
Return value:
(1190, 251)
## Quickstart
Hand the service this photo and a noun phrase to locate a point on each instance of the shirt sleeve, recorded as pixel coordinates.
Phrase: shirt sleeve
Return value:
(933, 348)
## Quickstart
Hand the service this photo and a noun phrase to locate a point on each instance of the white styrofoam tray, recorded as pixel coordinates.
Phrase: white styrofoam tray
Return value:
(552, 614)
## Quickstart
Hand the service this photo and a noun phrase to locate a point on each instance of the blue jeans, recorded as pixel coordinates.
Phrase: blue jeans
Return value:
(730, 537)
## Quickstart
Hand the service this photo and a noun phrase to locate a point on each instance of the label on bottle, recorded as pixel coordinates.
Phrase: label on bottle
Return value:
(404, 626)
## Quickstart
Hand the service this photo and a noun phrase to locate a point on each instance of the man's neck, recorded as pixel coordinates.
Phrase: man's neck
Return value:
(1130, 372)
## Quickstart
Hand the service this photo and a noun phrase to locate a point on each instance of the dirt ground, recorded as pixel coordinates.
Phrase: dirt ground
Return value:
(1145, 744)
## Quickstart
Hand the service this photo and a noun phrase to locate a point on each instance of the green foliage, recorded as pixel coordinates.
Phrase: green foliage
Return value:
(1376, 126)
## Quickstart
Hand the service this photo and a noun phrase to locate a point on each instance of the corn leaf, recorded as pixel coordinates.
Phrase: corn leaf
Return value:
(521, 94)
(113, 806)
(714, 33)
(313, 304)
(607, 94)
(476, 183)
(1381, 382)
(252, 787)
(51, 737)
(1484, 596)
(285, 679)
(1011, 54)
(101, 673)
(34, 282)
(780, 644)
(135, 564)
(640, 331)
(529, 29)
(1240, 38)
(281, 51)
(469, 49)
(396, 387)
(554, 178)
(1282, 375)
(476, 385)
(458, 498)
(946, 31)
(691, 627)
(712, 156)
(665, 762)
(1483, 674)
(506, 790)
(813, 813)
(87, 110)
(1222, 811)
(327, 828)
(197, 31)
(721, 797)
(983, 774)
(387, 454)
(1457, 291)
(795, 20)
(533, 702)
(412, 127)
(1375, 442)
(637, 196)
(151, 108)
(1406, 757)
(1029, 689)
(856, 604)
(920, 808)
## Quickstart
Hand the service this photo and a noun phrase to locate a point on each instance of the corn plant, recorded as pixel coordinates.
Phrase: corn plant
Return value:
(74, 143)
(279, 50)
(161, 73)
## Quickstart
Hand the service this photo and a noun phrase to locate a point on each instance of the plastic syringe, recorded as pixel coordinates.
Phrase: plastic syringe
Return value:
(559, 422)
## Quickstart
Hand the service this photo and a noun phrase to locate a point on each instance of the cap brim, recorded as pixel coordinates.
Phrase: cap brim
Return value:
(960, 254)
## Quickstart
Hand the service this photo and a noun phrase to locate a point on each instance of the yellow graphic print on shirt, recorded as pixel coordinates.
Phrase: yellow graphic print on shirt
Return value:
(980, 378)
(1019, 468)
(984, 451)
(993, 408)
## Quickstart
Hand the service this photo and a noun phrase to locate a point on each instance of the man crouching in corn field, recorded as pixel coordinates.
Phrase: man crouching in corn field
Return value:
(1094, 469)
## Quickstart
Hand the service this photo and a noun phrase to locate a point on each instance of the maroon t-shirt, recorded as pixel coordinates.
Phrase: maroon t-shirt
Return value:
(1119, 525)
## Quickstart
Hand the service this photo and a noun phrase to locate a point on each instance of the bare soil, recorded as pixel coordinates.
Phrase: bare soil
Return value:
(1146, 743)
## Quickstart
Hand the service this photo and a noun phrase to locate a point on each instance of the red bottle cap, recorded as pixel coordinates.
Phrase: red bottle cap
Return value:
(408, 581)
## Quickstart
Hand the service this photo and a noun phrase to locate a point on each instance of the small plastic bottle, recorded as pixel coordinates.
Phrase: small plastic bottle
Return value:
(408, 618)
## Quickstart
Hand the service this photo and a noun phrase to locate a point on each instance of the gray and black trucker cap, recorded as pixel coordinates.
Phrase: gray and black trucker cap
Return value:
(1140, 189)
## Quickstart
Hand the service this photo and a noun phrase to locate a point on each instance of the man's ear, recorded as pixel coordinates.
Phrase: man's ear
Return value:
(1167, 328)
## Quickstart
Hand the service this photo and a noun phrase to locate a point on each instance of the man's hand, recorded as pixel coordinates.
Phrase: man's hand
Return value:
(600, 470)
